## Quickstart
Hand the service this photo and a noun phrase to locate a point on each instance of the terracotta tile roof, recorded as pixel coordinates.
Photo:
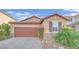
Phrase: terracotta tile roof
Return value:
(32, 19)
(56, 15)
(38, 20)
(29, 20)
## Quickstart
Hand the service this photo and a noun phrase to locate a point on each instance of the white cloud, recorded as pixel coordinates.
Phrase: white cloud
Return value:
(19, 14)
(10, 12)
(26, 13)
(22, 14)
(71, 14)
(24, 17)
(72, 10)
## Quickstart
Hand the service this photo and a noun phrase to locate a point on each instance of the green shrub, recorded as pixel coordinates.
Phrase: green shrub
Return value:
(1, 34)
(4, 31)
(68, 37)
(40, 33)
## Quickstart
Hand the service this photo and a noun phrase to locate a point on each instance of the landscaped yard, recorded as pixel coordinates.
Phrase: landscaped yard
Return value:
(68, 37)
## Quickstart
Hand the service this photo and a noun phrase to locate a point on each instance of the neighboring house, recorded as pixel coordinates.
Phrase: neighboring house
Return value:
(74, 22)
(75, 26)
(29, 27)
(73, 19)
(4, 18)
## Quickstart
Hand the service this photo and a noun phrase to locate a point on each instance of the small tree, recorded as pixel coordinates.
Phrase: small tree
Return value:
(68, 37)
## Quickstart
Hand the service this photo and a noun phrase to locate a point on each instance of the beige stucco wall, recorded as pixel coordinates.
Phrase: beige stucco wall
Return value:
(4, 18)
(45, 24)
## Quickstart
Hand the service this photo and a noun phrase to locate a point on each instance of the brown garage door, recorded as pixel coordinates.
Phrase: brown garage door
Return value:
(25, 32)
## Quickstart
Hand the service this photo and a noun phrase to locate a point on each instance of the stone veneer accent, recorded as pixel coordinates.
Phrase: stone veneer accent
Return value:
(49, 42)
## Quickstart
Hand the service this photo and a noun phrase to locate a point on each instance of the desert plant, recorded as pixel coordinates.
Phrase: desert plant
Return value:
(68, 37)
(40, 33)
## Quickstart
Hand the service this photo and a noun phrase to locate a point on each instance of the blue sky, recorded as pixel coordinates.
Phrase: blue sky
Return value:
(20, 14)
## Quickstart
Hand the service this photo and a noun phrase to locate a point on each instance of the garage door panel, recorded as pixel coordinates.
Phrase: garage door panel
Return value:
(25, 32)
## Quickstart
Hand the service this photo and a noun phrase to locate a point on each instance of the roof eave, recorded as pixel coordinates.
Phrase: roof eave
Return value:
(23, 23)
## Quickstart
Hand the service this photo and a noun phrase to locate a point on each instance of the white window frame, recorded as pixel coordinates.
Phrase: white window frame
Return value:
(53, 26)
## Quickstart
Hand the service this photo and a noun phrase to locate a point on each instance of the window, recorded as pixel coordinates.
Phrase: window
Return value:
(55, 26)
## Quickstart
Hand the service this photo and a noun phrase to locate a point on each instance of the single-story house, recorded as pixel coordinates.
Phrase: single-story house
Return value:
(29, 27)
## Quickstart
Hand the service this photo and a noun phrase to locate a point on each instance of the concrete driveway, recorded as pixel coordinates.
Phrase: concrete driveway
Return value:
(21, 43)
